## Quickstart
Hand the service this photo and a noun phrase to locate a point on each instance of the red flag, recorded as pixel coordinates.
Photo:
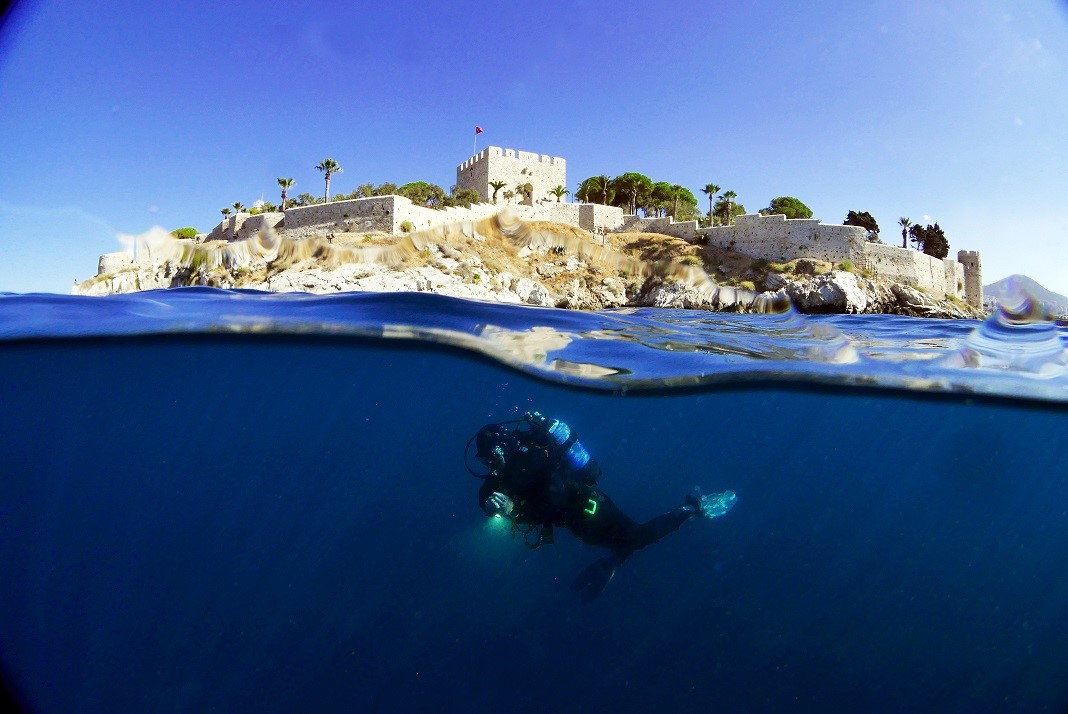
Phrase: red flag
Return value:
(478, 130)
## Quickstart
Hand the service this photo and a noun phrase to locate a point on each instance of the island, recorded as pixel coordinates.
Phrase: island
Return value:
(590, 254)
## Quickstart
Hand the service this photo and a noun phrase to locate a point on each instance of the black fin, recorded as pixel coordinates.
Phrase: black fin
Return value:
(592, 581)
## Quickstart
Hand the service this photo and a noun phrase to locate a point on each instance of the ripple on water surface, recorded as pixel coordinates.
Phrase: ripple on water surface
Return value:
(1018, 352)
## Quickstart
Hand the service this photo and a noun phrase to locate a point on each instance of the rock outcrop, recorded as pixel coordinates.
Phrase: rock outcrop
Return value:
(546, 276)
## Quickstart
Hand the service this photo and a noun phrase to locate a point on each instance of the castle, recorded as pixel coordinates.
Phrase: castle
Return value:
(512, 168)
(772, 238)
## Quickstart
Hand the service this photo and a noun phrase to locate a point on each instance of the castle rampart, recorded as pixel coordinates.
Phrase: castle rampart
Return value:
(514, 168)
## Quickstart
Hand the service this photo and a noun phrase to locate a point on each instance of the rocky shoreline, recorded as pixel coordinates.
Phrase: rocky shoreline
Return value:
(483, 270)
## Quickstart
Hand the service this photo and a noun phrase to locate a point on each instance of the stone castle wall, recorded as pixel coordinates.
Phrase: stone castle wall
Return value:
(777, 239)
(513, 168)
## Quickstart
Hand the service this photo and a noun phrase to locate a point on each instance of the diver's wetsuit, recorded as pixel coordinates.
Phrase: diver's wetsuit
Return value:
(543, 497)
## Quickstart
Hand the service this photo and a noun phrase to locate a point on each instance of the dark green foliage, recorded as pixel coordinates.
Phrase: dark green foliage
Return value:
(306, 199)
(632, 190)
(422, 193)
(720, 210)
(789, 207)
(597, 189)
(187, 232)
(462, 197)
(930, 239)
(866, 221)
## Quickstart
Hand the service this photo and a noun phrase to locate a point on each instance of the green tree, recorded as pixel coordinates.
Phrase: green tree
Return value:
(329, 167)
(559, 192)
(866, 221)
(462, 197)
(789, 207)
(710, 190)
(285, 184)
(508, 196)
(728, 198)
(658, 199)
(930, 239)
(725, 210)
(904, 223)
(237, 206)
(364, 190)
(604, 184)
(187, 232)
(385, 189)
(496, 186)
(225, 211)
(423, 194)
(684, 203)
(632, 190)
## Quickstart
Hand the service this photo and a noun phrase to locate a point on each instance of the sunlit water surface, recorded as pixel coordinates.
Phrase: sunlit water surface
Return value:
(232, 501)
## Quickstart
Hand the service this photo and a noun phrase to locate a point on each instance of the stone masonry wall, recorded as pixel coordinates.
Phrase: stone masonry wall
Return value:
(513, 167)
(775, 238)
(778, 239)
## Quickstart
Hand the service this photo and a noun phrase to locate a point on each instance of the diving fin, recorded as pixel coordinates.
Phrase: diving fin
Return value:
(592, 581)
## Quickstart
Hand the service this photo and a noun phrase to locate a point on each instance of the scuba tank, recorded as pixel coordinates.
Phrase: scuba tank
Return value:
(572, 457)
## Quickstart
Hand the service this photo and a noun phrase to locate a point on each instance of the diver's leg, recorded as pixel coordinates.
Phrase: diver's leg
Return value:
(610, 527)
(657, 528)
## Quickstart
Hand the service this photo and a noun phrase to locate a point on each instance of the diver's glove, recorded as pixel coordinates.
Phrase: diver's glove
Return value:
(710, 505)
(498, 504)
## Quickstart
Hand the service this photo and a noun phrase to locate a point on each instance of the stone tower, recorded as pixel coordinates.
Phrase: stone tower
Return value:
(973, 277)
(514, 168)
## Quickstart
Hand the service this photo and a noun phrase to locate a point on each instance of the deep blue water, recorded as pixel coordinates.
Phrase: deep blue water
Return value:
(217, 501)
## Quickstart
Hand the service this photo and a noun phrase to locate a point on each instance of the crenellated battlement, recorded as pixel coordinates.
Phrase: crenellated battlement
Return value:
(514, 168)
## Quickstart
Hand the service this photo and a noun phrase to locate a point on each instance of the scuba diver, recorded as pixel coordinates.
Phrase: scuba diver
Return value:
(539, 476)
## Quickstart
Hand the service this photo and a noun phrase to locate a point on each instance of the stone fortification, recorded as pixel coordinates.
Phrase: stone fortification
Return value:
(777, 239)
(973, 276)
(388, 213)
(514, 168)
(772, 238)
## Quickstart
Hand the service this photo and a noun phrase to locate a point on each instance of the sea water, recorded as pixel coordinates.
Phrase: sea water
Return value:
(232, 501)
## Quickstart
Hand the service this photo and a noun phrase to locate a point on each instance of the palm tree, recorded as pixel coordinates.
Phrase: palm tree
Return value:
(676, 191)
(225, 211)
(238, 206)
(285, 184)
(711, 189)
(559, 192)
(509, 195)
(904, 223)
(496, 186)
(603, 183)
(329, 167)
(729, 196)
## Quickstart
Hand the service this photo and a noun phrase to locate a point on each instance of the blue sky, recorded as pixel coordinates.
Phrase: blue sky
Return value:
(118, 116)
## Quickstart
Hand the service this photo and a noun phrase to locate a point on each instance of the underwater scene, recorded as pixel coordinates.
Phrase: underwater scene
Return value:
(233, 501)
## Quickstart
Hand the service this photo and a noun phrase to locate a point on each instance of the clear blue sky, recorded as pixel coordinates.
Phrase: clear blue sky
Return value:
(118, 116)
